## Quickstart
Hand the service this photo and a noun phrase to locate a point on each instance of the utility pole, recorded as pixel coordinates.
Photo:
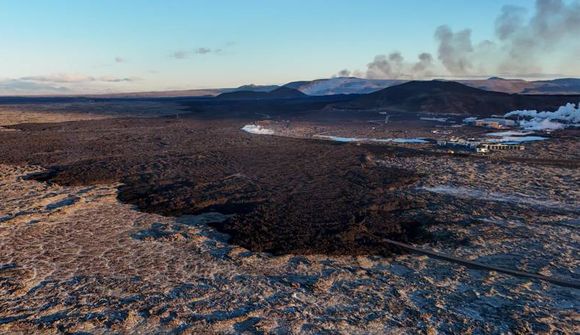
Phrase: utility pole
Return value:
(387, 116)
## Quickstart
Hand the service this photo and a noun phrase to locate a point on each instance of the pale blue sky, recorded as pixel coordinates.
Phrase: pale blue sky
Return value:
(177, 44)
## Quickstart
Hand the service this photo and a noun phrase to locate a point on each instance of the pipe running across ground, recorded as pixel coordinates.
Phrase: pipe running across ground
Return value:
(477, 265)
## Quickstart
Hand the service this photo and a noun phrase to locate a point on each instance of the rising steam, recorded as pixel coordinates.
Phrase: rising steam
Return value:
(520, 46)
(394, 66)
(564, 117)
(519, 42)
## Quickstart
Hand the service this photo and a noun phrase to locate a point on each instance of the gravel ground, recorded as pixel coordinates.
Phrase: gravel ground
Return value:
(74, 259)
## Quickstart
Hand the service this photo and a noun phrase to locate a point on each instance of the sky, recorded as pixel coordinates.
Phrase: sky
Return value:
(87, 46)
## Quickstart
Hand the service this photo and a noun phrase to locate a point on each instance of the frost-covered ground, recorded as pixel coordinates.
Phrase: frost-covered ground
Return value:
(514, 215)
(258, 130)
(74, 259)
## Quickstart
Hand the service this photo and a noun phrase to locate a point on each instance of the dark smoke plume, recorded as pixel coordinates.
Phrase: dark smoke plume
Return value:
(554, 25)
(521, 44)
(394, 66)
(455, 49)
(344, 73)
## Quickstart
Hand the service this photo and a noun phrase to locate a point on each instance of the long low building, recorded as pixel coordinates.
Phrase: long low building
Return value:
(486, 147)
(479, 146)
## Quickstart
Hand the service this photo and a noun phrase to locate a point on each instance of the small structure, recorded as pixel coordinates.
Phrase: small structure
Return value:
(387, 116)
(491, 122)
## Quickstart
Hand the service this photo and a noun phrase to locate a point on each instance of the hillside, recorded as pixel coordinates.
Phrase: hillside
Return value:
(279, 93)
(342, 85)
(352, 85)
(555, 86)
(447, 97)
(251, 87)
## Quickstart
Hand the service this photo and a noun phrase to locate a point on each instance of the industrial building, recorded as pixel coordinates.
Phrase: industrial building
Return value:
(479, 146)
(495, 123)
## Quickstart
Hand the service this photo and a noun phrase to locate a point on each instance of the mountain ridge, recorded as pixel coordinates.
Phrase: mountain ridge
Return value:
(278, 93)
(448, 97)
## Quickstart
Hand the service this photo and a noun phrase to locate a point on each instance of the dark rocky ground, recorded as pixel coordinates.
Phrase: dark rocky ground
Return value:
(288, 195)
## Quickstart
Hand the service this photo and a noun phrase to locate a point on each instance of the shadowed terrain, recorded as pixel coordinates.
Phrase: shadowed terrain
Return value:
(278, 93)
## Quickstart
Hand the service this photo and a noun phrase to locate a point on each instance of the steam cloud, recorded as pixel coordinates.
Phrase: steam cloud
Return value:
(454, 49)
(344, 73)
(520, 43)
(565, 117)
(394, 66)
(183, 54)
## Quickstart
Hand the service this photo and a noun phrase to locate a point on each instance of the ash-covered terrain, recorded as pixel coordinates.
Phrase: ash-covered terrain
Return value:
(260, 214)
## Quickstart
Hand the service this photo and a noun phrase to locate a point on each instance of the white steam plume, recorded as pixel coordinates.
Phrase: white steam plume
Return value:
(564, 117)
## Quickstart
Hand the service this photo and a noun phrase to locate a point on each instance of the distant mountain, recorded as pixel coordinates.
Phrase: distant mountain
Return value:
(342, 85)
(352, 85)
(161, 94)
(279, 93)
(497, 84)
(252, 88)
(210, 92)
(448, 97)
(444, 97)
(555, 86)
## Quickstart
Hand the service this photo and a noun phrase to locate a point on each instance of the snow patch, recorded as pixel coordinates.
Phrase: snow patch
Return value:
(255, 129)
(376, 140)
(509, 133)
(517, 139)
(514, 137)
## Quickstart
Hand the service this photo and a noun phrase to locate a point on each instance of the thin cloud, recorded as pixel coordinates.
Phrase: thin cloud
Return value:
(202, 51)
(184, 54)
(60, 78)
(110, 79)
(120, 60)
(181, 54)
(17, 86)
(66, 78)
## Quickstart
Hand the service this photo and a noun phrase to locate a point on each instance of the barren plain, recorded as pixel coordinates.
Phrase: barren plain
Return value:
(116, 224)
